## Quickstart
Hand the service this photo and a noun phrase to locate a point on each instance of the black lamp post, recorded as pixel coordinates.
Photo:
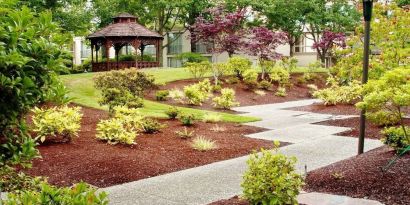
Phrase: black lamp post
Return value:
(367, 14)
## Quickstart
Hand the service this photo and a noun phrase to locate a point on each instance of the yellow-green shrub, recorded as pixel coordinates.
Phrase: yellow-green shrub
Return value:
(279, 75)
(271, 178)
(396, 138)
(226, 100)
(58, 121)
(116, 130)
(250, 78)
(239, 65)
(339, 94)
(198, 69)
(196, 94)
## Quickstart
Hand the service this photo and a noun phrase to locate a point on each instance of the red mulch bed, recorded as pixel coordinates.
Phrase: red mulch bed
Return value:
(372, 130)
(329, 109)
(232, 201)
(245, 96)
(361, 176)
(102, 165)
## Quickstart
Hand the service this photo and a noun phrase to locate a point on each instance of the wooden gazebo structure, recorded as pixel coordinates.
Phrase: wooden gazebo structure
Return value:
(122, 32)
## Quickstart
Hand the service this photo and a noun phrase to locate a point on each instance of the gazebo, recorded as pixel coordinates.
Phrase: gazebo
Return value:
(122, 32)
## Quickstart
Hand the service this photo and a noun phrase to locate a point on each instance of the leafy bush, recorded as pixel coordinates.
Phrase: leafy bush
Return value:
(211, 117)
(239, 65)
(196, 94)
(56, 122)
(198, 69)
(260, 92)
(232, 80)
(200, 143)
(264, 84)
(185, 134)
(281, 92)
(172, 112)
(271, 178)
(219, 70)
(205, 86)
(121, 86)
(289, 64)
(226, 100)
(250, 78)
(130, 116)
(14, 181)
(336, 94)
(80, 193)
(216, 88)
(57, 93)
(161, 95)
(396, 137)
(127, 57)
(30, 55)
(177, 95)
(116, 130)
(189, 57)
(151, 126)
(187, 119)
(383, 118)
(280, 76)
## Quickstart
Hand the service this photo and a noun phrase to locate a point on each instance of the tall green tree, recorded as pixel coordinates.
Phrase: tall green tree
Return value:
(285, 15)
(332, 15)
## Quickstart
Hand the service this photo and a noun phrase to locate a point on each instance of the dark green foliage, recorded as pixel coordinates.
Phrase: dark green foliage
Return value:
(266, 85)
(29, 57)
(151, 126)
(172, 112)
(187, 119)
(216, 88)
(161, 95)
(189, 57)
(396, 138)
(11, 180)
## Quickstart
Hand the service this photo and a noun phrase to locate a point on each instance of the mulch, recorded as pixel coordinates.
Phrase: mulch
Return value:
(340, 109)
(232, 201)
(361, 176)
(87, 159)
(372, 130)
(244, 96)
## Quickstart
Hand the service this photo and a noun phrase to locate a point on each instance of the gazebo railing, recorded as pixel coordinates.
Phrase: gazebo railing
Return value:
(107, 66)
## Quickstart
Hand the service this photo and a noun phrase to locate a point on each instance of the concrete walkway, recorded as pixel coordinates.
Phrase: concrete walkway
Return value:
(315, 146)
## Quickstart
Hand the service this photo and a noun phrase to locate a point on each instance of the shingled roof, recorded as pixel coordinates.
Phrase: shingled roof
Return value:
(123, 28)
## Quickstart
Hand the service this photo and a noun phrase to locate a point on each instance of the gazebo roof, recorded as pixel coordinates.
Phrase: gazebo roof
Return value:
(124, 25)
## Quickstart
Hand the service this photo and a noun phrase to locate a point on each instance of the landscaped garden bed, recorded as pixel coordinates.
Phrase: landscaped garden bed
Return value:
(361, 176)
(246, 96)
(339, 109)
(87, 159)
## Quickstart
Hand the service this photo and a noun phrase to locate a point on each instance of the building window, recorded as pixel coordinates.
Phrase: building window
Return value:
(174, 62)
(201, 47)
(300, 45)
(174, 43)
(85, 50)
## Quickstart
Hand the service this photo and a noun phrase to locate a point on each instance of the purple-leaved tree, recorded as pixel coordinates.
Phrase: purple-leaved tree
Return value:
(224, 31)
(327, 41)
(262, 42)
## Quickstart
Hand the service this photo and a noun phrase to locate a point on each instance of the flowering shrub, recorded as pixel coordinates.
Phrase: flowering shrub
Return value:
(271, 178)
(57, 122)
(226, 100)
(239, 65)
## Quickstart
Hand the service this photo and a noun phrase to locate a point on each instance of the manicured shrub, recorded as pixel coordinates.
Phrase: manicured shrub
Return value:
(211, 117)
(250, 78)
(189, 57)
(151, 126)
(118, 87)
(271, 178)
(127, 57)
(201, 143)
(239, 65)
(280, 76)
(185, 133)
(196, 94)
(187, 119)
(289, 64)
(55, 122)
(172, 112)
(396, 137)
(205, 86)
(116, 130)
(264, 84)
(80, 193)
(198, 69)
(226, 100)
(216, 88)
(232, 80)
(12, 180)
(336, 94)
(161, 95)
(177, 95)
(281, 92)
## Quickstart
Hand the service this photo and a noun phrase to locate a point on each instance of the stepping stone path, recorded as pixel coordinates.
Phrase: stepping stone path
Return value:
(314, 146)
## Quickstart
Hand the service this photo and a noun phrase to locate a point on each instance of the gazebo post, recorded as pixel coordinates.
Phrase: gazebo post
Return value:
(92, 53)
(97, 48)
(107, 54)
(142, 47)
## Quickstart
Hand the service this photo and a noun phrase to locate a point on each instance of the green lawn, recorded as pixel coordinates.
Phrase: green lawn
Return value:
(82, 90)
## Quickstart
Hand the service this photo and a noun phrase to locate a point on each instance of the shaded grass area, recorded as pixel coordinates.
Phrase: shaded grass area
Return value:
(82, 89)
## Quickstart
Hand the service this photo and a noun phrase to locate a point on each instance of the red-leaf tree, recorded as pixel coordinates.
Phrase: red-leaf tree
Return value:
(327, 41)
(224, 31)
(262, 42)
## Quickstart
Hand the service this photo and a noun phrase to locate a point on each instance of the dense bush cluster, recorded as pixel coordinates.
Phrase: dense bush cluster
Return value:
(239, 65)
(339, 94)
(56, 122)
(226, 100)
(396, 137)
(123, 87)
(271, 178)
(198, 69)
(196, 94)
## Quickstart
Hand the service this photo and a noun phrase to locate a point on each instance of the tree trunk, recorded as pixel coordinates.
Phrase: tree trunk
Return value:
(193, 42)
(291, 47)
